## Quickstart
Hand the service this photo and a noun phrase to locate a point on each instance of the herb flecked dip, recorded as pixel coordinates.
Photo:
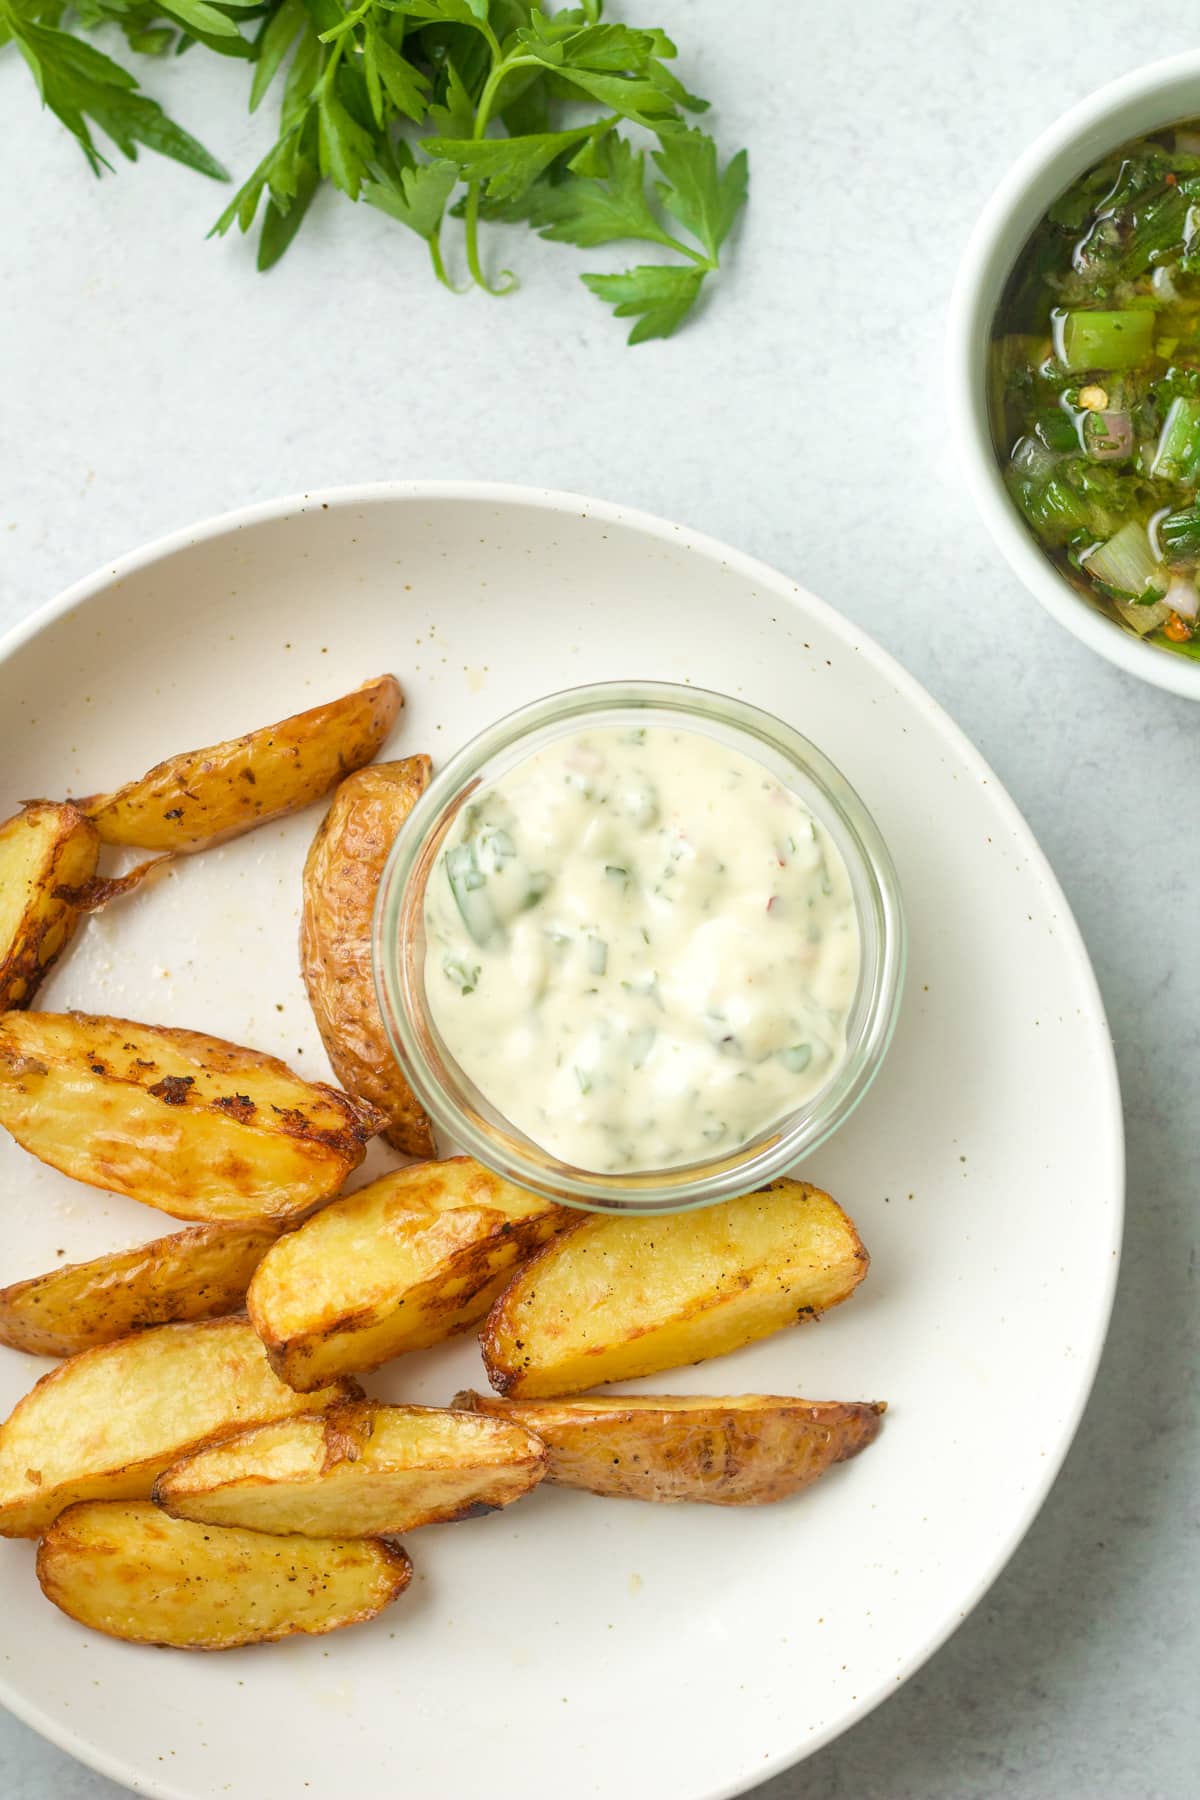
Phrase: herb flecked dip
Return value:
(641, 947)
(1094, 386)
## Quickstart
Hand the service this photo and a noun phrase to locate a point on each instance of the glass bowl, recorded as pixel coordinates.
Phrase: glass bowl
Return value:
(464, 1113)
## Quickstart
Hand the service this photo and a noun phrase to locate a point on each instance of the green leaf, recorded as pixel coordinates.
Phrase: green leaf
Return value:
(419, 197)
(659, 296)
(279, 227)
(703, 199)
(612, 47)
(633, 97)
(508, 165)
(282, 30)
(383, 66)
(79, 83)
(454, 115)
(345, 148)
(199, 16)
(244, 205)
(301, 80)
(590, 212)
(155, 42)
(444, 12)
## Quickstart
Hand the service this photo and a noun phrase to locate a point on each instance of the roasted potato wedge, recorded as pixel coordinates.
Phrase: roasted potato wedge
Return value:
(402, 1264)
(613, 1298)
(203, 797)
(47, 853)
(127, 1569)
(736, 1450)
(201, 1273)
(105, 1425)
(190, 1124)
(364, 1469)
(341, 877)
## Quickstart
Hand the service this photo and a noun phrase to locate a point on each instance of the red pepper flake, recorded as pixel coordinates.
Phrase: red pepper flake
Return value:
(1171, 180)
(1177, 629)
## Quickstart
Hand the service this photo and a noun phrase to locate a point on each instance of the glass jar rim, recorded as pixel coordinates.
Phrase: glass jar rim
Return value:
(399, 971)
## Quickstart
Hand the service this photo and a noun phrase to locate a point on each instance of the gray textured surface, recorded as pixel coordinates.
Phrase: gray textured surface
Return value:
(150, 379)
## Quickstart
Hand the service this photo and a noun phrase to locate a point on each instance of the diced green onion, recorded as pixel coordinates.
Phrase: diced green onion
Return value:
(1105, 340)
(615, 873)
(1179, 534)
(465, 976)
(469, 888)
(1142, 618)
(1177, 457)
(597, 956)
(797, 1058)
(538, 887)
(496, 848)
(1127, 565)
(584, 1080)
(641, 1042)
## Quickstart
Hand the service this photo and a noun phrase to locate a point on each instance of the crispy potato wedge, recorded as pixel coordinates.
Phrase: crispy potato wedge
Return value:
(613, 1298)
(403, 1263)
(341, 877)
(45, 848)
(361, 1470)
(190, 1124)
(734, 1450)
(105, 1424)
(202, 1273)
(203, 797)
(127, 1569)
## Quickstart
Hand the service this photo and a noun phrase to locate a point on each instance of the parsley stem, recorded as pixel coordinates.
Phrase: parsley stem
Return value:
(501, 66)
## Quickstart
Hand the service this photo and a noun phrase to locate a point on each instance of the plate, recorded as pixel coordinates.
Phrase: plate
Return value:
(631, 1652)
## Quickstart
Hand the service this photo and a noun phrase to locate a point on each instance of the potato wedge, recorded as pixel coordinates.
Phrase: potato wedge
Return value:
(204, 797)
(405, 1262)
(361, 1470)
(127, 1569)
(202, 1273)
(341, 877)
(734, 1450)
(46, 847)
(613, 1298)
(190, 1124)
(105, 1424)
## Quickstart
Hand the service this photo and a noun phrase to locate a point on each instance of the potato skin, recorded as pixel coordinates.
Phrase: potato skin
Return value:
(106, 1423)
(190, 1124)
(736, 1450)
(204, 797)
(412, 1258)
(341, 878)
(363, 1469)
(612, 1298)
(48, 846)
(130, 1571)
(202, 1273)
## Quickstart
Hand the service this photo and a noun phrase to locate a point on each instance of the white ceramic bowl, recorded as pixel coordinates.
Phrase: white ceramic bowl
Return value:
(1143, 101)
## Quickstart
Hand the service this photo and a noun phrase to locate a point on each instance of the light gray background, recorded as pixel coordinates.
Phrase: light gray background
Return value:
(148, 379)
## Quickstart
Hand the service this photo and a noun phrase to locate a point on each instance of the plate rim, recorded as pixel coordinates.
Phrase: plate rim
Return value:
(79, 594)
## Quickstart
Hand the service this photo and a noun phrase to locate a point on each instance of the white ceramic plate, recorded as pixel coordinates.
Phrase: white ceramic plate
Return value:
(574, 1644)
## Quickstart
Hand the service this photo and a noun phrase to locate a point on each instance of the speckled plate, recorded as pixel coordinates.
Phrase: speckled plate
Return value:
(622, 1651)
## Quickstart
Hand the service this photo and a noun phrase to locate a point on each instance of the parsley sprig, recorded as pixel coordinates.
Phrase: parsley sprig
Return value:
(428, 109)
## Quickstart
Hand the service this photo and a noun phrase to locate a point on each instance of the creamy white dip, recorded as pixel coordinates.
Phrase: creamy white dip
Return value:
(641, 948)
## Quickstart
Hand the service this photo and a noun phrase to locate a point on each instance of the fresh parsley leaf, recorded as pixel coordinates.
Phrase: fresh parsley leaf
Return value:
(590, 212)
(198, 16)
(386, 71)
(417, 197)
(453, 116)
(79, 83)
(507, 165)
(280, 225)
(658, 295)
(704, 199)
(345, 148)
(280, 33)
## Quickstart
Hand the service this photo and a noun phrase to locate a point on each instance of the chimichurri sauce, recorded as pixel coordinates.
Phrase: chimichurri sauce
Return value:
(1094, 386)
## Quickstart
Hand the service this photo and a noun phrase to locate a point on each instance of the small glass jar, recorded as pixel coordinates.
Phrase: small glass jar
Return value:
(465, 1114)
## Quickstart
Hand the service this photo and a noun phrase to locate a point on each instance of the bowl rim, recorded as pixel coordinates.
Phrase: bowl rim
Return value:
(1059, 152)
(399, 969)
